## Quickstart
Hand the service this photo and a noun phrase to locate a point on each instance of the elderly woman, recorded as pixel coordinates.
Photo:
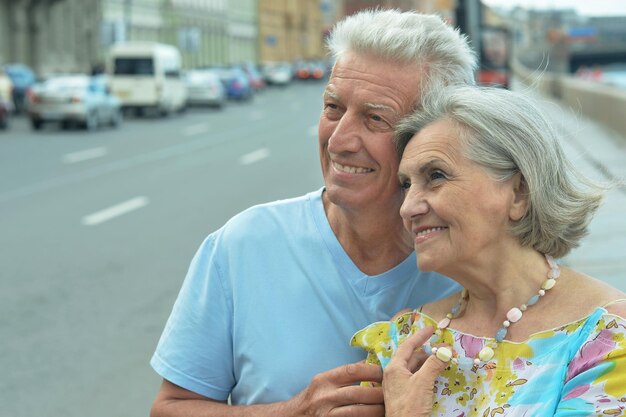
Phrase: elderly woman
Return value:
(491, 201)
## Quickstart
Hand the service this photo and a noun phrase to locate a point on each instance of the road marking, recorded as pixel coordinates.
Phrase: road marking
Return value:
(254, 156)
(195, 130)
(114, 211)
(71, 158)
(313, 130)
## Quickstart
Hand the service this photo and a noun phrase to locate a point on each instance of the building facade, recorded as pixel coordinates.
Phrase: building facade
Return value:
(53, 36)
(50, 36)
(291, 30)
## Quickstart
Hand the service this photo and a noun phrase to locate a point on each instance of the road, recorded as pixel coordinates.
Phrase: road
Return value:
(97, 231)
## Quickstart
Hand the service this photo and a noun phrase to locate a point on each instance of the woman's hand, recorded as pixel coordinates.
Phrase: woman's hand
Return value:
(409, 378)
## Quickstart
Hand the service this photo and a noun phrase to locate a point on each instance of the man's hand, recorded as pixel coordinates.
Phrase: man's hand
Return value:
(336, 393)
(333, 393)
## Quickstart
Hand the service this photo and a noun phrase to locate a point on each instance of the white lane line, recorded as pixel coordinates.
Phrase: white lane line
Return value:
(313, 130)
(71, 158)
(195, 130)
(114, 211)
(254, 156)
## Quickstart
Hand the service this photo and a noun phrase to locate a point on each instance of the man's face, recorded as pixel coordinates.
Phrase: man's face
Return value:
(364, 99)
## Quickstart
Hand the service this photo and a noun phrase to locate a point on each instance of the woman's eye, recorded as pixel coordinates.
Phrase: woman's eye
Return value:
(436, 175)
(405, 185)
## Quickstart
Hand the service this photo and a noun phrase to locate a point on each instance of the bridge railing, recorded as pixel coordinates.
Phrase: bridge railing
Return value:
(600, 102)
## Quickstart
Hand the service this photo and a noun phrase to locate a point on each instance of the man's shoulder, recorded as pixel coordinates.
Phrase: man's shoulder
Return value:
(267, 217)
(278, 208)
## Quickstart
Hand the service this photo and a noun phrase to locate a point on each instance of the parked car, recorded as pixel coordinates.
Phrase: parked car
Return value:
(204, 87)
(4, 116)
(22, 78)
(235, 82)
(254, 76)
(69, 99)
(277, 73)
(6, 90)
(310, 70)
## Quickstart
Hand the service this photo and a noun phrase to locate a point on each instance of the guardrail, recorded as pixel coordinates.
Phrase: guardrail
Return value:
(600, 102)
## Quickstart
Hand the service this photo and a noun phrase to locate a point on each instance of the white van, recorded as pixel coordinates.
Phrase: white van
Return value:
(147, 75)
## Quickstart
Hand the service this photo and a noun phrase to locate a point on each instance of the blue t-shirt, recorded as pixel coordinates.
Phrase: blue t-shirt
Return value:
(271, 299)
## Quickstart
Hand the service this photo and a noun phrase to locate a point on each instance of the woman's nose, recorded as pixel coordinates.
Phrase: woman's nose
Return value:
(413, 205)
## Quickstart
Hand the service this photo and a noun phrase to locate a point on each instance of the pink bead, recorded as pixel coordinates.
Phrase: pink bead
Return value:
(514, 314)
(551, 262)
(554, 273)
(444, 323)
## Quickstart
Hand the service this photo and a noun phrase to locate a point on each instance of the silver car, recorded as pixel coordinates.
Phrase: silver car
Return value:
(205, 88)
(82, 99)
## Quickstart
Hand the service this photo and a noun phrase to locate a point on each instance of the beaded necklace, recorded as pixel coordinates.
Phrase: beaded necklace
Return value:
(512, 316)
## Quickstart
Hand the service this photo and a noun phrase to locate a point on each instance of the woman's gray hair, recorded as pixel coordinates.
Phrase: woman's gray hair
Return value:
(441, 53)
(506, 133)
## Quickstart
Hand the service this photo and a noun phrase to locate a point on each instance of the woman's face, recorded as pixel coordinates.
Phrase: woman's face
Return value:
(455, 211)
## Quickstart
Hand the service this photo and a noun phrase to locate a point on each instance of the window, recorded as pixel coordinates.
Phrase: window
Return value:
(133, 66)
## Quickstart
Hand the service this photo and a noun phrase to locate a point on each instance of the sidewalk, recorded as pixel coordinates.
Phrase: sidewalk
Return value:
(599, 153)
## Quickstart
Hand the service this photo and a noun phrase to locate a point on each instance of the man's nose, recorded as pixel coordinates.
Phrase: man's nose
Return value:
(346, 136)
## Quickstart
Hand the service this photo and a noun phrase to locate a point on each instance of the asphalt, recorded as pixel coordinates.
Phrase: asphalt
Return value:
(599, 153)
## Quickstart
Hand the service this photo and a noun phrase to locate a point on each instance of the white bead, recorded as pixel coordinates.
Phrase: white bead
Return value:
(455, 361)
(486, 354)
(434, 350)
(523, 307)
(542, 292)
(506, 323)
(444, 354)
(514, 315)
(476, 361)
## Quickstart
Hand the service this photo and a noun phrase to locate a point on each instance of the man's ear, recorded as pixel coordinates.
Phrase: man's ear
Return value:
(520, 202)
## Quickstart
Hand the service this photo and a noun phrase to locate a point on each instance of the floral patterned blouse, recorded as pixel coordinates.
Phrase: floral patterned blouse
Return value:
(575, 370)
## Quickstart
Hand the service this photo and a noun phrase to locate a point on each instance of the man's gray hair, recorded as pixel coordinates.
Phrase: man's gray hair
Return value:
(506, 133)
(441, 53)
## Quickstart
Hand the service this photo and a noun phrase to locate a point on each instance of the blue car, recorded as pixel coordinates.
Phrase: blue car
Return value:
(236, 83)
(22, 78)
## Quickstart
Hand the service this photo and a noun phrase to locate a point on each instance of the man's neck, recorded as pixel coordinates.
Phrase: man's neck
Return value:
(373, 238)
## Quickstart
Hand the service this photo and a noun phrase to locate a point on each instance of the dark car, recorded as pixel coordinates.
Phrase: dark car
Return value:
(4, 115)
(22, 78)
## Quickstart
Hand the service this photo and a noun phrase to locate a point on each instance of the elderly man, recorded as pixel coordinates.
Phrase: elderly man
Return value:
(271, 299)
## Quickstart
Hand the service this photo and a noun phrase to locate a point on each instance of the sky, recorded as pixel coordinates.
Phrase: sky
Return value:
(584, 7)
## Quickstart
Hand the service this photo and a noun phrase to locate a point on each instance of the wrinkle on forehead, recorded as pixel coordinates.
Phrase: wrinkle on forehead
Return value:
(428, 147)
(399, 82)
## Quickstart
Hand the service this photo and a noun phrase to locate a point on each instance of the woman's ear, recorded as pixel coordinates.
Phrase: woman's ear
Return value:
(520, 202)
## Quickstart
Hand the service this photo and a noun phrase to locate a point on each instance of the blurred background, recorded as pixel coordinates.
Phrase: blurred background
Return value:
(131, 129)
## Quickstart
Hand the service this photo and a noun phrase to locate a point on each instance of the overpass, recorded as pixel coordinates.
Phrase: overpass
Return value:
(596, 54)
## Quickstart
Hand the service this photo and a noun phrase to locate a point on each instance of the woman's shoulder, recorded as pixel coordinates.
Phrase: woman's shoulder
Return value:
(617, 307)
(582, 292)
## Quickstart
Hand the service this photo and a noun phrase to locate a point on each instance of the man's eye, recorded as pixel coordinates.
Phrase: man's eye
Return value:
(405, 185)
